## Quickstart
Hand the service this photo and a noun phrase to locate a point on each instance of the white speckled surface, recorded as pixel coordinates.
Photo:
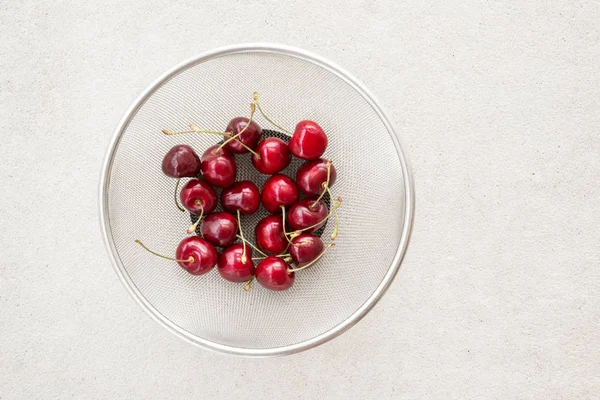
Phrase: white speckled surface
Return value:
(498, 104)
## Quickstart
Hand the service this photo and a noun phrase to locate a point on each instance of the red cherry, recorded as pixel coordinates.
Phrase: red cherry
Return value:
(219, 228)
(249, 137)
(181, 161)
(305, 248)
(272, 273)
(279, 190)
(274, 156)
(218, 167)
(203, 253)
(307, 213)
(197, 197)
(312, 175)
(308, 141)
(269, 235)
(232, 268)
(243, 196)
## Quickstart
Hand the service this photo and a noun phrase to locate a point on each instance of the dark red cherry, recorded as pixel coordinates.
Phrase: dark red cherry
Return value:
(279, 190)
(243, 196)
(274, 156)
(203, 253)
(312, 175)
(180, 162)
(249, 137)
(306, 213)
(232, 268)
(218, 167)
(219, 228)
(272, 273)
(308, 141)
(269, 235)
(198, 196)
(305, 248)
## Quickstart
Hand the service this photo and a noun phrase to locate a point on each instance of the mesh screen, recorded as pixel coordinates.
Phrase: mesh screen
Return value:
(369, 179)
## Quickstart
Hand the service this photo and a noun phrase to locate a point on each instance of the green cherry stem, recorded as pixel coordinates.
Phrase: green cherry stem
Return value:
(244, 258)
(265, 116)
(193, 227)
(313, 261)
(337, 205)
(234, 137)
(325, 185)
(190, 259)
(253, 246)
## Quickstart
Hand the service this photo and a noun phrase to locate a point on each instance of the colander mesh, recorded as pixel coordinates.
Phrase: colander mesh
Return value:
(369, 179)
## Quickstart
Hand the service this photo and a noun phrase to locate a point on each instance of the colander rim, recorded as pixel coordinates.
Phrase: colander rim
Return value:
(218, 347)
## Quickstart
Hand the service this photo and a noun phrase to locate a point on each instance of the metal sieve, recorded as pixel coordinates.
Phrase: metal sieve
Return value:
(373, 178)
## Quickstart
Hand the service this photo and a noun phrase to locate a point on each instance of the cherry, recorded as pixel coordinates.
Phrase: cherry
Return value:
(272, 273)
(269, 235)
(311, 177)
(231, 265)
(219, 228)
(181, 161)
(193, 254)
(245, 131)
(274, 156)
(307, 215)
(243, 196)
(279, 190)
(198, 197)
(218, 167)
(305, 248)
(308, 141)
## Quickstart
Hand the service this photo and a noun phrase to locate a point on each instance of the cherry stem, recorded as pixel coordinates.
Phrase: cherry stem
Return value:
(313, 261)
(335, 232)
(190, 259)
(265, 116)
(325, 186)
(277, 255)
(291, 234)
(244, 258)
(194, 129)
(337, 205)
(248, 285)
(234, 137)
(193, 227)
(253, 246)
(176, 201)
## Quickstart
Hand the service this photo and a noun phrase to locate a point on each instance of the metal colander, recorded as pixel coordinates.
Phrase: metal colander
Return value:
(373, 178)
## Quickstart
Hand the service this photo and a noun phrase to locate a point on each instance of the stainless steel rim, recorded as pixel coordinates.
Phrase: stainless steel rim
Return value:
(278, 351)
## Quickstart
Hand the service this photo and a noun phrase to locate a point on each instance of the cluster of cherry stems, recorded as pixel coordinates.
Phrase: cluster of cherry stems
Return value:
(275, 242)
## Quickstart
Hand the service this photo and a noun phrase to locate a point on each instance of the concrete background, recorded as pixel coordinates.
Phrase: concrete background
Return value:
(498, 104)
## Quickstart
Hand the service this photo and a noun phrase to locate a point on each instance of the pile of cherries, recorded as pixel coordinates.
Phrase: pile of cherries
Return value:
(296, 207)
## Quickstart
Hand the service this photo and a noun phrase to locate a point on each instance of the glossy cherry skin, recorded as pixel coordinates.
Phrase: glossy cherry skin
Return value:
(198, 196)
(272, 273)
(243, 196)
(218, 167)
(308, 141)
(274, 156)
(312, 175)
(205, 255)
(311, 247)
(249, 137)
(232, 268)
(181, 161)
(219, 228)
(307, 213)
(279, 190)
(269, 235)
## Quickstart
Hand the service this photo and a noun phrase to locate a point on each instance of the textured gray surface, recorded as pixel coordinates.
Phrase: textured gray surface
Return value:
(498, 105)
